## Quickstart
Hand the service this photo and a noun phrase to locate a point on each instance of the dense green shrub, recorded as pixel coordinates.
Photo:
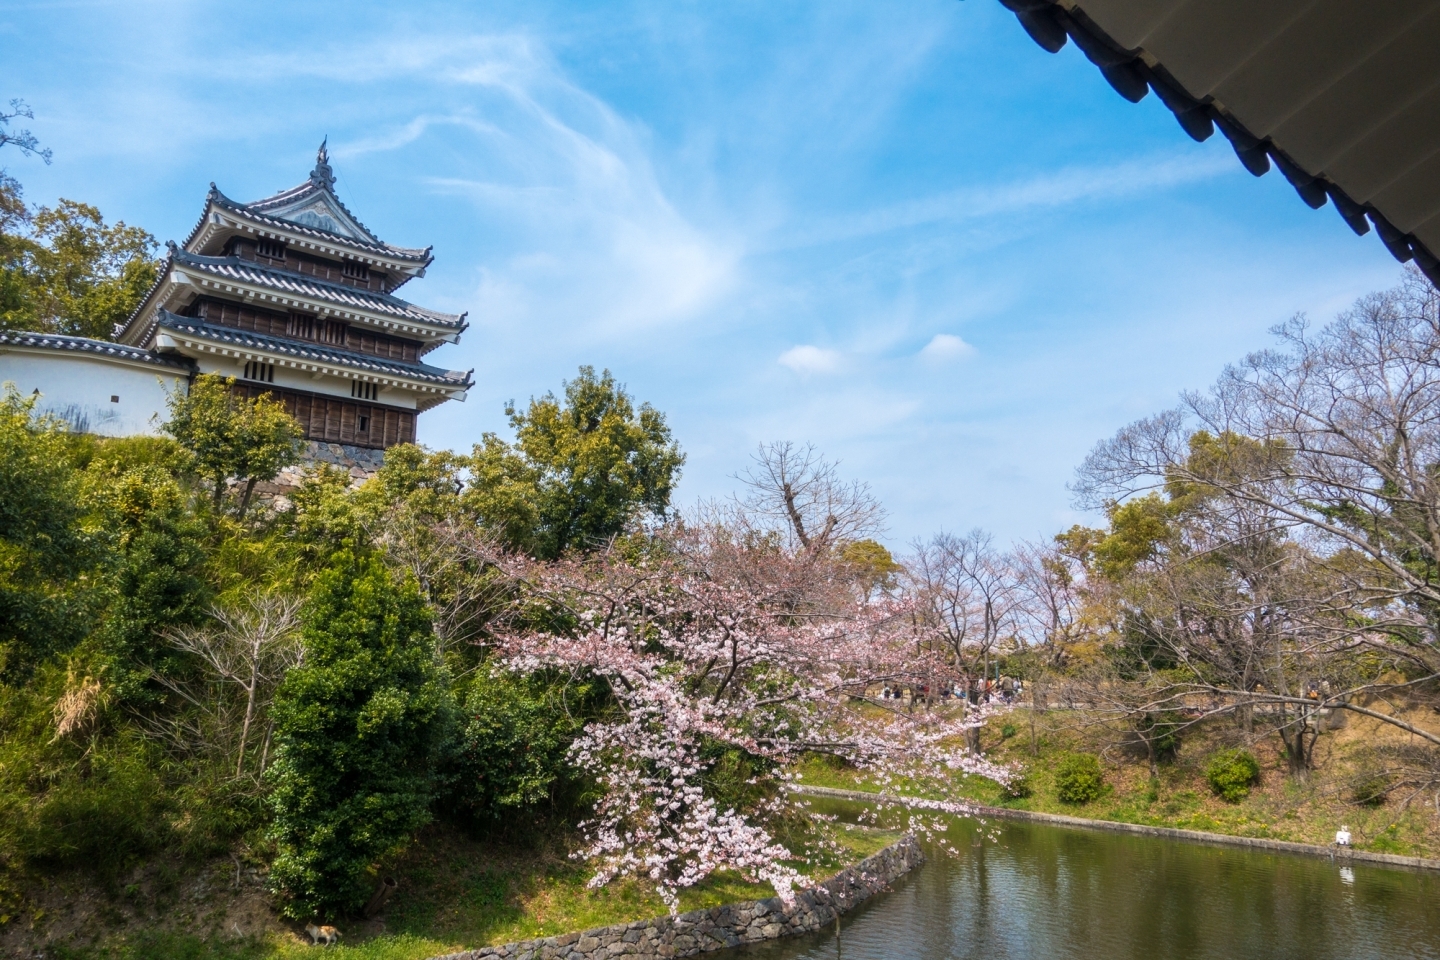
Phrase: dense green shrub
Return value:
(1231, 773)
(360, 729)
(43, 545)
(1019, 786)
(1078, 778)
(514, 740)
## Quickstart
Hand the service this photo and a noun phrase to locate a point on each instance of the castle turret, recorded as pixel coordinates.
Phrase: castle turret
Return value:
(295, 298)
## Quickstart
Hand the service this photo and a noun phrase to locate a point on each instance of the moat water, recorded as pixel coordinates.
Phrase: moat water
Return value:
(1022, 891)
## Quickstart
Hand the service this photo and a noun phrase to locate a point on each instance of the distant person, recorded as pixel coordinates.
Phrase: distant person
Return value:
(1342, 837)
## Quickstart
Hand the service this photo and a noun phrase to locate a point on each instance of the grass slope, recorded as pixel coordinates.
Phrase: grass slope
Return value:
(456, 893)
(1279, 807)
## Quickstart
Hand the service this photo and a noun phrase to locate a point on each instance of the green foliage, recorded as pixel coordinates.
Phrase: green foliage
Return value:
(513, 743)
(1078, 778)
(360, 729)
(1231, 774)
(90, 798)
(871, 564)
(578, 473)
(232, 436)
(1138, 528)
(43, 548)
(63, 270)
(153, 571)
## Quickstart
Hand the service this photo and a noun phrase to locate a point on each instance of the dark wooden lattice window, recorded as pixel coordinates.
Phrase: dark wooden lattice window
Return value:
(260, 370)
(302, 326)
(270, 249)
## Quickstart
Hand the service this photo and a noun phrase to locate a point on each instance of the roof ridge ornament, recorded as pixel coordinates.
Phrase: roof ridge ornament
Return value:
(323, 176)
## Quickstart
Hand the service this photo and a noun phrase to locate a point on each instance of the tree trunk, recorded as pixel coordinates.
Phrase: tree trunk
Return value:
(249, 488)
(245, 727)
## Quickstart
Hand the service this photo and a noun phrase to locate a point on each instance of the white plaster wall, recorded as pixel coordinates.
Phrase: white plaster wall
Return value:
(79, 387)
(300, 380)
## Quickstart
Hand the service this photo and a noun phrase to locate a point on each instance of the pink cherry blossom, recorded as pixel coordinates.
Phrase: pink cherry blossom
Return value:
(712, 642)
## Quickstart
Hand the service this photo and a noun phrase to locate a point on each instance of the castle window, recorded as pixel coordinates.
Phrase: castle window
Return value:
(364, 426)
(330, 331)
(260, 370)
(364, 391)
(114, 399)
(301, 325)
(357, 271)
(273, 249)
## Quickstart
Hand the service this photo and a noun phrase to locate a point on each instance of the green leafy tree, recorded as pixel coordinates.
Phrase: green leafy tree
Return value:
(871, 564)
(43, 547)
(580, 470)
(232, 436)
(360, 729)
(153, 572)
(64, 270)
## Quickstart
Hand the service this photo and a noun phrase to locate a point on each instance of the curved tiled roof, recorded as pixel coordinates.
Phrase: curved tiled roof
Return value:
(1341, 97)
(98, 348)
(248, 271)
(257, 211)
(190, 326)
(319, 185)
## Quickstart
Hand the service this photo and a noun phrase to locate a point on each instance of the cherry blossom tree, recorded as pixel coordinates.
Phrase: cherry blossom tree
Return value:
(711, 641)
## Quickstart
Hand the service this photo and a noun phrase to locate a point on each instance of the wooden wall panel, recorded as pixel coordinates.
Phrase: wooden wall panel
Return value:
(333, 420)
(307, 327)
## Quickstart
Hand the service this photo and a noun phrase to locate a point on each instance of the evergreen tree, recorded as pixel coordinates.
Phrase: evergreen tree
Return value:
(360, 729)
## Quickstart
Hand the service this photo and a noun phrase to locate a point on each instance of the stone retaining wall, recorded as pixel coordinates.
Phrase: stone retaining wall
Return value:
(361, 463)
(701, 931)
(1169, 833)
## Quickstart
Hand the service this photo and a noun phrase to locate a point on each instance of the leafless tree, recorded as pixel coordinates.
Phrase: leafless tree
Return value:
(22, 140)
(1317, 464)
(454, 562)
(795, 491)
(967, 588)
(1051, 604)
(247, 650)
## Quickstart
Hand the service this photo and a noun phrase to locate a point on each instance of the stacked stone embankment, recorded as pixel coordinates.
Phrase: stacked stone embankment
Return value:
(701, 931)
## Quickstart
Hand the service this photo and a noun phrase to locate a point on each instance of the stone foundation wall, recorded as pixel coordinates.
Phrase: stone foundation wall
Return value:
(701, 931)
(360, 462)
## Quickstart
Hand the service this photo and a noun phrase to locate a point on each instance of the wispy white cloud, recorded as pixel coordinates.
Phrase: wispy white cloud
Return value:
(944, 347)
(806, 359)
(1058, 188)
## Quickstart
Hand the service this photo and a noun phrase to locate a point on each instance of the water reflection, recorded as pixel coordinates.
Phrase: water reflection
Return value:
(1057, 894)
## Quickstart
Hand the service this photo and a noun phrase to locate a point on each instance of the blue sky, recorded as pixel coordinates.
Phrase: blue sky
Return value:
(900, 231)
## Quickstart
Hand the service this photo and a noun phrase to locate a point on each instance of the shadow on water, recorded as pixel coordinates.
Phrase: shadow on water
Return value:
(1020, 891)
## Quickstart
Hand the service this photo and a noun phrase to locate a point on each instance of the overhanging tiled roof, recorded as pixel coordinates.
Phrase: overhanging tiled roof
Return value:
(283, 281)
(256, 211)
(317, 353)
(1343, 96)
(103, 349)
(288, 205)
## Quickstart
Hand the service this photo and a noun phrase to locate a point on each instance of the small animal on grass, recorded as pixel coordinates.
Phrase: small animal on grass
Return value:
(326, 934)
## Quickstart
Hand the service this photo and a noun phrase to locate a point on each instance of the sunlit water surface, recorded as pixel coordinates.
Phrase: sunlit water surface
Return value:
(1029, 892)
